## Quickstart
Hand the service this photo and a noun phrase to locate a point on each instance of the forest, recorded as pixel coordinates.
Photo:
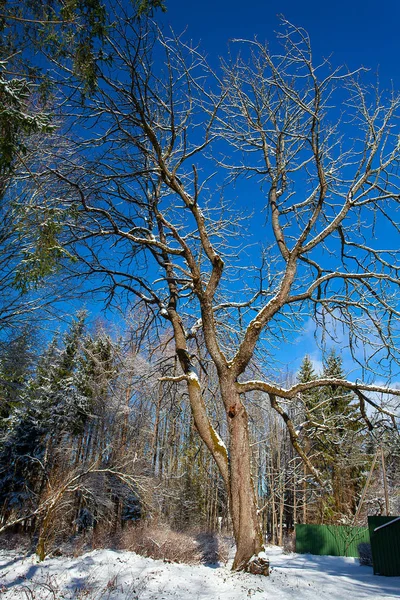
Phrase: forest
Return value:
(169, 230)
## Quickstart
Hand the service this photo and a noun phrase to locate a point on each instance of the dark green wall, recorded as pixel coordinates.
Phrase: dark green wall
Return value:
(385, 546)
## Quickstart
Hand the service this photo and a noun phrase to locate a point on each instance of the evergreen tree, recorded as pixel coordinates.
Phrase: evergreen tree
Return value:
(17, 356)
(334, 441)
(48, 406)
(57, 387)
(342, 443)
(307, 373)
(310, 437)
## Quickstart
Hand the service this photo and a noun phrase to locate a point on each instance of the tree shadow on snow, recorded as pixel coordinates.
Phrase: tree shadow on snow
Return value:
(4, 566)
(20, 579)
(361, 577)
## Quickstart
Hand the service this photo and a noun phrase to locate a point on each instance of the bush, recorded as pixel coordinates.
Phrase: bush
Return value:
(289, 542)
(214, 548)
(365, 554)
(15, 541)
(160, 542)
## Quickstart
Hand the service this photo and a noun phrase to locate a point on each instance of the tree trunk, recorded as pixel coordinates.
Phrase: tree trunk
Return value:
(156, 428)
(281, 510)
(236, 473)
(304, 494)
(243, 503)
(235, 469)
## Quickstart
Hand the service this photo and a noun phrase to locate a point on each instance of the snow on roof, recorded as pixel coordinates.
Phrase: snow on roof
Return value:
(387, 524)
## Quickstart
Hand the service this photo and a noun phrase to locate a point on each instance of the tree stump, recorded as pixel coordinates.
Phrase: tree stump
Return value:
(259, 565)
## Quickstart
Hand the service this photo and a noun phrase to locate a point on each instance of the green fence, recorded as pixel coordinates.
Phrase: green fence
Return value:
(385, 545)
(332, 540)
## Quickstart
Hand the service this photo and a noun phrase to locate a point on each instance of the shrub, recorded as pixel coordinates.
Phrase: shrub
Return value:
(160, 542)
(214, 548)
(289, 542)
(365, 554)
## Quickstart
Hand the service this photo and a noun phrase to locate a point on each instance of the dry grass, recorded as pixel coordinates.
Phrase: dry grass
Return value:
(156, 541)
(160, 542)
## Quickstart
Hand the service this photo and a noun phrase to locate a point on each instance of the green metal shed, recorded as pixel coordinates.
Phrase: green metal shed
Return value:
(384, 533)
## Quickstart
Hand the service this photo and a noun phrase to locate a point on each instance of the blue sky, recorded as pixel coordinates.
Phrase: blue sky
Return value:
(352, 33)
(356, 32)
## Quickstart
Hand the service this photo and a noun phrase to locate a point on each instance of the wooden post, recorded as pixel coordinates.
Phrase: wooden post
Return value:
(385, 486)
(294, 495)
(305, 494)
(366, 487)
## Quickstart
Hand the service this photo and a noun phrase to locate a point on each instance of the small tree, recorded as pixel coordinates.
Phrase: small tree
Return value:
(147, 219)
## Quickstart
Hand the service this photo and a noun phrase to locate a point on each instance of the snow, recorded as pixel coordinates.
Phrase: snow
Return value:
(261, 555)
(387, 524)
(114, 575)
(220, 441)
(192, 376)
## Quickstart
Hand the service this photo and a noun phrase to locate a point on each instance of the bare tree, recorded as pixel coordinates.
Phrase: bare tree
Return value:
(147, 220)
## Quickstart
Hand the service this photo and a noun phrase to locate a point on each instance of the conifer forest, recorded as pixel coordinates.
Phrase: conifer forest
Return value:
(199, 285)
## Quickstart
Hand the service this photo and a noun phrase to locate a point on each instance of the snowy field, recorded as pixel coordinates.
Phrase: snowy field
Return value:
(111, 575)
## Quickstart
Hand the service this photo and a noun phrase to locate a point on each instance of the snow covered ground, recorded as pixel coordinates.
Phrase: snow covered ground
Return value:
(112, 575)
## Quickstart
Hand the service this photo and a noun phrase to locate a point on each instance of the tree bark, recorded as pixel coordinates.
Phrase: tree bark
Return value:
(243, 503)
(235, 469)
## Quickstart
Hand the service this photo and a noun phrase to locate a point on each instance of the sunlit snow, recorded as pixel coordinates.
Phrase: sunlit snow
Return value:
(112, 575)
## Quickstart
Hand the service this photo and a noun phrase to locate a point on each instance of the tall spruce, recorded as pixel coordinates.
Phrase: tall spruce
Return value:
(46, 406)
(312, 420)
(342, 444)
(334, 441)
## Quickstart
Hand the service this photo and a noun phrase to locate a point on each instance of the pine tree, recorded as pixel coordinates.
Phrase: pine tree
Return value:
(17, 357)
(307, 373)
(334, 441)
(42, 409)
(312, 420)
(58, 388)
(343, 443)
